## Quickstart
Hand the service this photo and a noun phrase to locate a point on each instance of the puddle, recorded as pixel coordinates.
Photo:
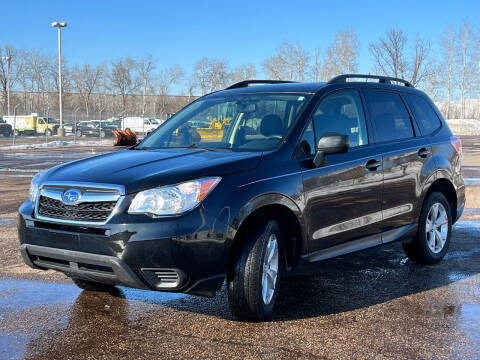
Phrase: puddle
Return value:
(8, 222)
(472, 181)
(20, 170)
(23, 294)
(16, 175)
(471, 211)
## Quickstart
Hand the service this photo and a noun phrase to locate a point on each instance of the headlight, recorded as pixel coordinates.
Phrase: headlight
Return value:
(174, 199)
(34, 185)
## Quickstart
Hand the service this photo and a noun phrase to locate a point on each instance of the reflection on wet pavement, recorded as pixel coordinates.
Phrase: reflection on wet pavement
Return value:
(8, 222)
(356, 306)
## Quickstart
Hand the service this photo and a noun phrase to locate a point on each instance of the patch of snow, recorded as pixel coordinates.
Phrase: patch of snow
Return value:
(58, 144)
(464, 126)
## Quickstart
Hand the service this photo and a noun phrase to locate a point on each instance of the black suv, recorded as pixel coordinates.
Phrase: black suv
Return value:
(291, 173)
(5, 129)
(94, 128)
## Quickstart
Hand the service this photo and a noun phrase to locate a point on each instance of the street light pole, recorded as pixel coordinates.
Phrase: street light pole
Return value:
(7, 59)
(59, 26)
(75, 125)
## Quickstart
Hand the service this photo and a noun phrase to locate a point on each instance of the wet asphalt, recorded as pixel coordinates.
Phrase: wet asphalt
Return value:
(370, 305)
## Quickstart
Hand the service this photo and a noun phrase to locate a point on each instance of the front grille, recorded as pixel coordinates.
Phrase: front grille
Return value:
(91, 211)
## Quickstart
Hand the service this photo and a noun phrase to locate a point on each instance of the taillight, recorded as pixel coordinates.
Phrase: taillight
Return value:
(457, 144)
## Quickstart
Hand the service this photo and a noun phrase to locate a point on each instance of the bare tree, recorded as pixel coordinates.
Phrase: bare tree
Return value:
(290, 63)
(145, 67)
(418, 66)
(244, 72)
(465, 62)
(122, 79)
(164, 81)
(342, 54)
(389, 53)
(11, 53)
(447, 69)
(210, 75)
(85, 80)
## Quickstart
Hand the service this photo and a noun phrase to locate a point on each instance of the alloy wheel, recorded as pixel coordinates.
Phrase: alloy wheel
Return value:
(436, 227)
(270, 269)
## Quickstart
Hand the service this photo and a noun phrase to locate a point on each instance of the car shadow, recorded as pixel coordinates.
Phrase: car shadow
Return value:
(360, 280)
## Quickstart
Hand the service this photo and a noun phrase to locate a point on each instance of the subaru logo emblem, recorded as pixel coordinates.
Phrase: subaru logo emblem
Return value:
(71, 197)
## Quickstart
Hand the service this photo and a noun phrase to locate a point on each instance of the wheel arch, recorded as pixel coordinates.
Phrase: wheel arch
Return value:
(270, 206)
(445, 187)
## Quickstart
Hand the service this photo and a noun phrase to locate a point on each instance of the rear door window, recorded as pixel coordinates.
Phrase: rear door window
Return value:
(424, 113)
(389, 115)
(342, 112)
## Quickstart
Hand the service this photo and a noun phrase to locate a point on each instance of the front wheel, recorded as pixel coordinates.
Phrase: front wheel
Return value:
(92, 285)
(103, 134)
(252, 284)
(49, 132)
(434, 231)
(78, 133)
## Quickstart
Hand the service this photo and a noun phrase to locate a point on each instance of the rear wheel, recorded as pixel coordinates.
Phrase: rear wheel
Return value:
(79, 133)
(92, 285)
(16, 132)
(434, 231)
(252, 286)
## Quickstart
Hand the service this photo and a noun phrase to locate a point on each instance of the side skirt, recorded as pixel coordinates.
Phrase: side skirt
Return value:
(386, 237)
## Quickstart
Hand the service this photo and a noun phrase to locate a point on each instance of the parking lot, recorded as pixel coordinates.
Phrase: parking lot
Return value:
(373, 304)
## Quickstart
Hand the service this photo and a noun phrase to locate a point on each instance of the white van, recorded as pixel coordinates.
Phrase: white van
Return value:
(139, 125)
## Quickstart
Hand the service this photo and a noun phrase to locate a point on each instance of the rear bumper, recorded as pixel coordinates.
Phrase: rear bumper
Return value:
(185, 254)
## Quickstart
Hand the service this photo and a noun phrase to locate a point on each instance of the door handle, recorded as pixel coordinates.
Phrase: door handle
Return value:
(372, 164)
(423, 152)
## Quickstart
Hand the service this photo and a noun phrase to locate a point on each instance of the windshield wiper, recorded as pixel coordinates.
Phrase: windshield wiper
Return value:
(139, 148)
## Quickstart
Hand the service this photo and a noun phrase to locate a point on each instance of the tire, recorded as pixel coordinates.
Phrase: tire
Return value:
(431, 243)
(79, 133)
(103, 133)
(17, 133)
(92, 285)
(48, 132)
(248, 276)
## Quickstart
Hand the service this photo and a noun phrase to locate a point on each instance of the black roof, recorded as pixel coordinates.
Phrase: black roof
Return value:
(305, 87)
(313, 87)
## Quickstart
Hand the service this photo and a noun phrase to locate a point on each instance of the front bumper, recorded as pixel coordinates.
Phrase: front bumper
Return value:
(183, 254)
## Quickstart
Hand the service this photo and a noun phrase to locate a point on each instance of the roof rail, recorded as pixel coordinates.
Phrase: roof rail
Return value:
(380, 78)
(246, 83)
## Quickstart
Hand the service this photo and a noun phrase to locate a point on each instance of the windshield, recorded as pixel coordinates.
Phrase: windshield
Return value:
(248, 122)
(52, 121)
(153, 121)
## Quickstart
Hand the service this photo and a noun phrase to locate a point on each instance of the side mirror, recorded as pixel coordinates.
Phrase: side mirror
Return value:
(330, 143)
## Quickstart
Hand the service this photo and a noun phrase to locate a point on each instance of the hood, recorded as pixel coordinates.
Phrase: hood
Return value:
(139, 170)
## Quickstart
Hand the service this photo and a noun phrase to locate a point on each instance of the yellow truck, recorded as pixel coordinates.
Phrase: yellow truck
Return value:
(33, 124)
(214, 132)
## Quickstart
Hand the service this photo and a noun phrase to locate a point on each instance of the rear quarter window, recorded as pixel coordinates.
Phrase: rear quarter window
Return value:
(424, 113)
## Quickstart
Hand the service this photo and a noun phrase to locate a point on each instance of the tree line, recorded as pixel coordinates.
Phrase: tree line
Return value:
(447, 68)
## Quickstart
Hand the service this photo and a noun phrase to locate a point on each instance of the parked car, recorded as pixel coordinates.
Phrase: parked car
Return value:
(94, 128)
(325, 169)
(69, 127)
(5, 129)
(139, 124)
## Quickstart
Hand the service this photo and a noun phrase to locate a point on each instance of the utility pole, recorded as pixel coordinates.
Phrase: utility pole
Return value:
(59, 26)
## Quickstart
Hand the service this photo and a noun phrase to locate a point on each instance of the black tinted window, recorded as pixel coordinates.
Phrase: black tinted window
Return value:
(307, 143)
(342, 112)
(391, 118)
(424, 113)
